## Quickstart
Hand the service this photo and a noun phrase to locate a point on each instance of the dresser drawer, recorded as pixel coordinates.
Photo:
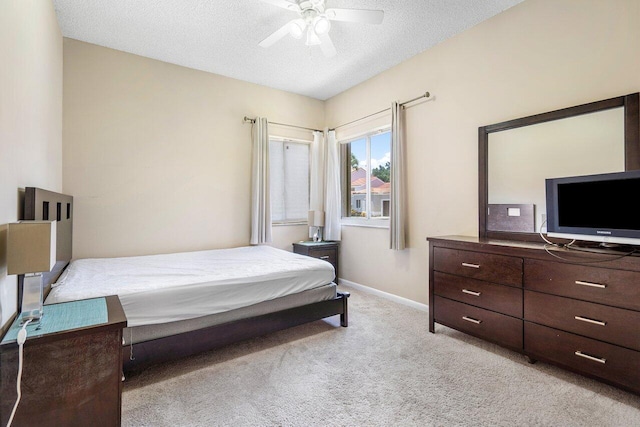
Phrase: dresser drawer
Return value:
(603, 285)
(606, 361)
(614, 325)
(329, 255)
(496, 327)
(500, 298)
(477, 265)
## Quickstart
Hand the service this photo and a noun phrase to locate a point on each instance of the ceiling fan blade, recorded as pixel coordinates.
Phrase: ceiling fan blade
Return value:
(276, 35)
(284, 4)
(327, 46)
(355, 15)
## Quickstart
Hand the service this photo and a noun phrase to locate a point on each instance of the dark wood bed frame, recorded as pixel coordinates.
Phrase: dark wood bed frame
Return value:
(42, 204)
(194, 342)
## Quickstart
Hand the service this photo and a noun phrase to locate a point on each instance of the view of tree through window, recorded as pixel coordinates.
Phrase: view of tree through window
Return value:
(369, 181)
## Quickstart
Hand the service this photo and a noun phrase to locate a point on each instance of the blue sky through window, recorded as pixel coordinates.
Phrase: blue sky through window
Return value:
(380, 150)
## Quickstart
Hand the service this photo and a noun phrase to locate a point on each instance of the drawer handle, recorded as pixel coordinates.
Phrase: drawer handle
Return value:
(593, 285)
(586, 319)
(475, 294)
(324, 257)
(595, 359)
(466, 264)
(472, 320)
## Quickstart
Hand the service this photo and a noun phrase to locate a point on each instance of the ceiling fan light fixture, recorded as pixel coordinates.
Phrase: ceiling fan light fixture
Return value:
(312, 38)
(314, 19)
(321, 25)
(296, 28)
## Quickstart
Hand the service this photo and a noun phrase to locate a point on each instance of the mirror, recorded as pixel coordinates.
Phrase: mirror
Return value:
(521, 159)
(515, 158)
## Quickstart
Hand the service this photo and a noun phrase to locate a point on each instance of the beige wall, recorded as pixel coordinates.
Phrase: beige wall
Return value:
(538, 56)
(157, 156)
(30, 116)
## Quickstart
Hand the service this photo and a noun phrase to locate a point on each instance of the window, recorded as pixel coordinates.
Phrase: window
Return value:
(367, 164)
(289, 163)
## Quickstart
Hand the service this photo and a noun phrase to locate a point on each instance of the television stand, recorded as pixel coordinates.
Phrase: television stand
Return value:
(617, 247)
(604, 248)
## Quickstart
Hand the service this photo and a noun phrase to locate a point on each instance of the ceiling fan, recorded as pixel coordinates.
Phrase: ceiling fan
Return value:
(314, 22)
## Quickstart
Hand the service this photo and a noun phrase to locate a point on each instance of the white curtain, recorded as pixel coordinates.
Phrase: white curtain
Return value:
(260, 200)
(397, 221)
(316, 179)
(316, 193)
(333, 195)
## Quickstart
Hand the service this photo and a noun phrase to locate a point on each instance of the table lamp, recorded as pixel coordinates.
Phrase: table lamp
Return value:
(316, 219)
(31, 250)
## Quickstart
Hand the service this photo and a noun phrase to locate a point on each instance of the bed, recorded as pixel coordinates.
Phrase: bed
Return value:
(184, 303)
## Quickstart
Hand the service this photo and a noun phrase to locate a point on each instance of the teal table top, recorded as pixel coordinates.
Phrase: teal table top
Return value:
(63, 317)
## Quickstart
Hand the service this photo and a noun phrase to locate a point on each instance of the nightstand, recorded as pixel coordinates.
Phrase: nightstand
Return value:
(72, 366)
(328, 251)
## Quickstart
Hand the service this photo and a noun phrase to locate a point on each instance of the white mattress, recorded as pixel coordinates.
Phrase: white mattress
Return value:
(166, 288)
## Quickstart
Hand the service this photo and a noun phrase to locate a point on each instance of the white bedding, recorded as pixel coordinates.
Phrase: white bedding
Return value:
(165, 288)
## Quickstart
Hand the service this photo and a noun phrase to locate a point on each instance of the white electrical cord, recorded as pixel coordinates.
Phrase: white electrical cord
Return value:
(549, 242)
(131, 344)
(569, 246)
(22, 337)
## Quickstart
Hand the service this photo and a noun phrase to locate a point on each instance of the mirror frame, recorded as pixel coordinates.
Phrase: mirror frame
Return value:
(631, 104)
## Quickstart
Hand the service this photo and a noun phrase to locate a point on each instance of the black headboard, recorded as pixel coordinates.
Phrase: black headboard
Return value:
(45, 205)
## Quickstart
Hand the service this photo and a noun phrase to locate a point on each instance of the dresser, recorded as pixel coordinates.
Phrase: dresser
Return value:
(579, 310)
(72, 369)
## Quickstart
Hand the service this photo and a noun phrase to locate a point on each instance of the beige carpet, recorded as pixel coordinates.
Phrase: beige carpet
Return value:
(385, 369)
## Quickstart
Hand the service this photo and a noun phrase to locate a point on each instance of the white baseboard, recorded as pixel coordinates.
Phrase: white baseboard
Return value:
(386, 295)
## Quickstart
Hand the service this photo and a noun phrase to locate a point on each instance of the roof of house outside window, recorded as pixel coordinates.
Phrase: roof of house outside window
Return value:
(359, 183)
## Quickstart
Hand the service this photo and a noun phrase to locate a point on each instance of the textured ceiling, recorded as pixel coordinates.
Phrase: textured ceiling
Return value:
(222, 37)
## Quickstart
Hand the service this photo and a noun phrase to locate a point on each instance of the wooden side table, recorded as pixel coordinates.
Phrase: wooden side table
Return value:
(72, 366)
(328, 251)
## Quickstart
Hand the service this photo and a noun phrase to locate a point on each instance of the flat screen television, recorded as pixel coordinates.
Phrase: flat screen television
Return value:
(600, 208)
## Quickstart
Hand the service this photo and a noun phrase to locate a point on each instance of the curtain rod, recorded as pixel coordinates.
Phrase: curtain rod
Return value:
(424, 95)
(250, 120)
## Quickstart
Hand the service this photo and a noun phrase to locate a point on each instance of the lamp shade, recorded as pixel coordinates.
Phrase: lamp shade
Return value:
(31, 247)
(316, 219)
